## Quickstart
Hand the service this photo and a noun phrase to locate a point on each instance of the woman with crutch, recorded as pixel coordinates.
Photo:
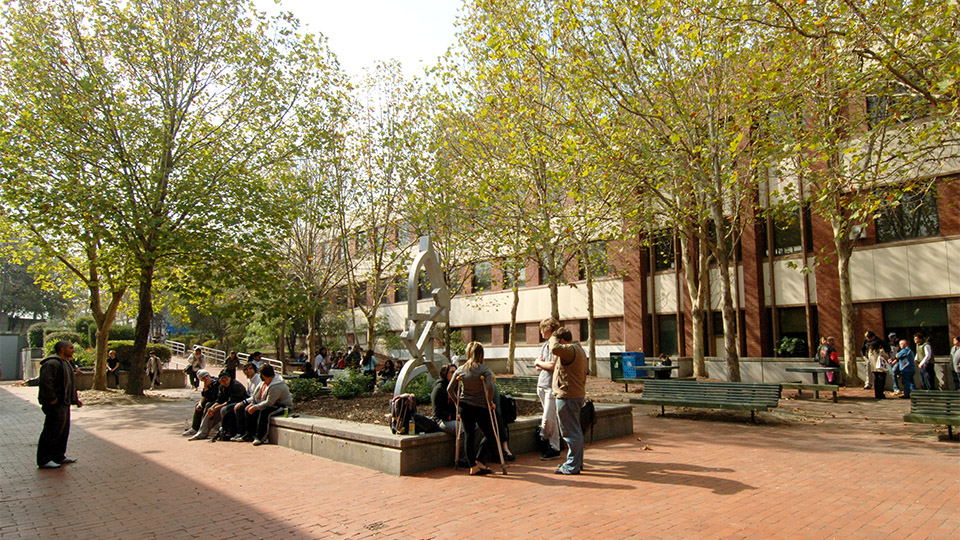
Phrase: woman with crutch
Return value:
(475, 400)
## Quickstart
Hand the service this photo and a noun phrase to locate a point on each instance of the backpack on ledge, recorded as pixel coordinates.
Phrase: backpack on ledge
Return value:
(402, 409)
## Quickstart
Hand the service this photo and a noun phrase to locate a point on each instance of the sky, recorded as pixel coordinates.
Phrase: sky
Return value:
(361, 32)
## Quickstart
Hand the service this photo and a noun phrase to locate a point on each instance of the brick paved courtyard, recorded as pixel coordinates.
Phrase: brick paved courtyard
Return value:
(813, 470)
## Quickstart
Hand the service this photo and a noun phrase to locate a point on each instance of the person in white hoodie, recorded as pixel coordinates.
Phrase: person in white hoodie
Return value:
(269, 398)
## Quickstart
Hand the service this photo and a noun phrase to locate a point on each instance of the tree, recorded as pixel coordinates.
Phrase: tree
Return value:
(383, 153)
(874, 112)
(175, 108)
(21, 296)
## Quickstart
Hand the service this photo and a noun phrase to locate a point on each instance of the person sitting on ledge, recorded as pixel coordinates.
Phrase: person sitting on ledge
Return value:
(229, 392)
(269, 399)
(234, 418)
(208, 396)
(664, 360)
(308, 372)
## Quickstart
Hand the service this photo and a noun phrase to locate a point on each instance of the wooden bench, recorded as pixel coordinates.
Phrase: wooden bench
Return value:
(710, 395)
(627, 382)
(523, 387)
(935, 407)
(800, 386)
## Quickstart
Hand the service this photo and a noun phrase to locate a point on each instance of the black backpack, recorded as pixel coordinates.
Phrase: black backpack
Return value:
(508, 409)
(402, 409)
(588, 418)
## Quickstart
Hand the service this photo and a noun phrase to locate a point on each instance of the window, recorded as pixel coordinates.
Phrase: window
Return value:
(544, 274)
(928, 317)
(601, 326)
(912, 215)
(667, 334)
(787, 233)
(896, 104)
(400, 289)
(482, 276)
(424, 289)
(597, 259)
(793, 332)
(519, 336)
(483, 334)
(516, 275)
(662, 246)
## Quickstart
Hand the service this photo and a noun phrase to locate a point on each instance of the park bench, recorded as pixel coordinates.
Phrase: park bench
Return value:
(710, 395)
(640, 380)
(522, 387)
(800, 386)
(935, 407)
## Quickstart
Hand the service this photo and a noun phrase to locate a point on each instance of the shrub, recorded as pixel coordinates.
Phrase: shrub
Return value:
(211, 344)
(52, 338)
(122, 332)
(420, 387)
(85, 357)
(387, 386)
(83, 324)
(351, 385)
(124, 350)
(35, 334)
(305, 389)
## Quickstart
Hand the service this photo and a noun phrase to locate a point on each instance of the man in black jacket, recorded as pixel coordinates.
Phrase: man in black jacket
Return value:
(57, 393)
(229, 392)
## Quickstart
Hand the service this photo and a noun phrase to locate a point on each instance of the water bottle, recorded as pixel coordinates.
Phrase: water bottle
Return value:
(411, 427)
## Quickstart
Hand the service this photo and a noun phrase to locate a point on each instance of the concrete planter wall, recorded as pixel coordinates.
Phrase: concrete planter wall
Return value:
(168, 379)
(374, 447)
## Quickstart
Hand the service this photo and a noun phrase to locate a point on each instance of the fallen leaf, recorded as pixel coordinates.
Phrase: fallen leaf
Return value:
(646, 448)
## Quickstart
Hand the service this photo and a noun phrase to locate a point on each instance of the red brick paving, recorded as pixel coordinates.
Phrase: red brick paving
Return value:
(844, 477)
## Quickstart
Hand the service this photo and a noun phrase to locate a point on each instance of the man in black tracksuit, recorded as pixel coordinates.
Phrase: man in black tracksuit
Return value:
(57, 393)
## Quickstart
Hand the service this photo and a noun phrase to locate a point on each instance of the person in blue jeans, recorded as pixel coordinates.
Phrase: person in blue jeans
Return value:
(908, 367)
(569, 387)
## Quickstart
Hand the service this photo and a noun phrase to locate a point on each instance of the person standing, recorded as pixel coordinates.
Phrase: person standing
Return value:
(893, 365)
(928, 373)
(113, 366)
(545, 364)
(193, 368)
(908, 368)
(873, 348)
(475, 399)
(570, 389)
(955, 362)
(368, 366)
(57, 392)
(154, 370)
(231, 364)
(828, 356)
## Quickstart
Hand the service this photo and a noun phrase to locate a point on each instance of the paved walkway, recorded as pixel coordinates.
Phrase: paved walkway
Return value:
(852, 476)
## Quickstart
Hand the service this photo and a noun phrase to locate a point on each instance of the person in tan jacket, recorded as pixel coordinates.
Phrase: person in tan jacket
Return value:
(569, 387)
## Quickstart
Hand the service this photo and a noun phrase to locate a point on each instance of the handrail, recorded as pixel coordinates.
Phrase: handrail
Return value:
(218, 357)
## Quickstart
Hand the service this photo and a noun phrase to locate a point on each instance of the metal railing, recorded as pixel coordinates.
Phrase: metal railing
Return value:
(217, 357)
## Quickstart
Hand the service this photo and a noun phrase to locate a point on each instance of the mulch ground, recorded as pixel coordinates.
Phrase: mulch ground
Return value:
(375, 408)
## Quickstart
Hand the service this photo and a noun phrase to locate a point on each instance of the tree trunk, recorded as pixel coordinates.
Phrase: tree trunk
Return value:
(726, 295)
(591, 324)
(511, 353)
(371, 318)
(695, 274)
(142, 335)
(104, 321)
(846, 317)
(282, 343)
(554, 298)
(312, 332)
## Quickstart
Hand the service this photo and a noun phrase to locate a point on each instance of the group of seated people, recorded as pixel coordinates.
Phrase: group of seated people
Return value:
(228, 411)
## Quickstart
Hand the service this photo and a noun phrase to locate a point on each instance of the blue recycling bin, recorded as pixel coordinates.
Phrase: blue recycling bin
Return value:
(631, 360)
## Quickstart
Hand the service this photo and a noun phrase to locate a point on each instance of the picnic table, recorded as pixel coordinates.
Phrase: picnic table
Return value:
(816, 386)
(649, 369)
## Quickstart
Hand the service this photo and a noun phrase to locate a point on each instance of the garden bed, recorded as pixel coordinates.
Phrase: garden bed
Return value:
(375, 408)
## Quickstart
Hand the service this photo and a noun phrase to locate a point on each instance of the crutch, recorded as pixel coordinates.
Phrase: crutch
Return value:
(493, 422)
(456, 454)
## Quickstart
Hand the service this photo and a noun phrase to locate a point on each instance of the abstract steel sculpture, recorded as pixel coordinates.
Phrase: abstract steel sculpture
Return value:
(421, 327)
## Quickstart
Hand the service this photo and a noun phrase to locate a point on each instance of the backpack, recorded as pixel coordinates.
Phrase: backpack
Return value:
(508, 409)
(543, 445)
(402, 409)
(823, 355)
(588, 418)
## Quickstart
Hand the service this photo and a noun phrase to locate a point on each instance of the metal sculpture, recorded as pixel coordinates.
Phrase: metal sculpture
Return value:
(421, 327)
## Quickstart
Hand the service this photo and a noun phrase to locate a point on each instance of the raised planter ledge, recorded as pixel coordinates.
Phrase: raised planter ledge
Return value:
(374, 447)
